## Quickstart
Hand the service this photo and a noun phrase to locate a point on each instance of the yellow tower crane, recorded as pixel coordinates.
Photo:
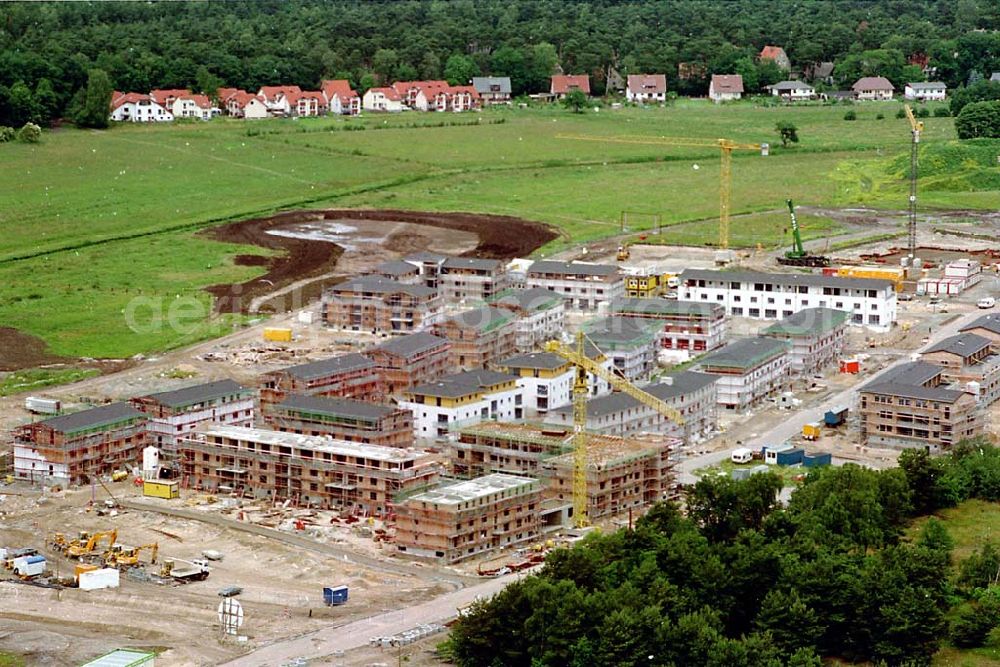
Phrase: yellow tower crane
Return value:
(916, 127)
(726, 148)
(576, 355)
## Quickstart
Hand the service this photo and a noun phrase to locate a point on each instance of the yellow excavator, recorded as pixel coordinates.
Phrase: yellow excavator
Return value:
(80, 550)
(122, 557)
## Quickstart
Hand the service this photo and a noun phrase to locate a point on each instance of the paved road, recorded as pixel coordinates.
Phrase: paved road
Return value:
(792, 425)
(354, 635)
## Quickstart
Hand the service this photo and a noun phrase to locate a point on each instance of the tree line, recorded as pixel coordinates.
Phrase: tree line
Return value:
(49, 50)
(741, 581)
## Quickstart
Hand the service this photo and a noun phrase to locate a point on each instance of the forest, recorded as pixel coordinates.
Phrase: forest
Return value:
(740, 580)
(49, 49)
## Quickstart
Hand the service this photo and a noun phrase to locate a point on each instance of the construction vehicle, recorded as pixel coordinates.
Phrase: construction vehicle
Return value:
(581, 391)
(119, 475)
(916, 127)
(81, 550)
(195, 570)
(798, 256)
(122, 557)
(726, 148)
(623, 253)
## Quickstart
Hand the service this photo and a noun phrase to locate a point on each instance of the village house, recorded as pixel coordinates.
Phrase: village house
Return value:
(540, 315)
(341, 99)
(246, 105)
(278, 99)
(792, 91)
(725, 87)
(408, 91)
(926, 91)
(348, 376)
(777, 55)
(478, 337)
(564, 83)
(341, 418)
(492, 89)
(873, 88)
(405, 361)
(174, 414)
(194, 106)
(646, 88)
(378, 305)
(970, 360)
(987, 326)
(463, 399)
(816, 336)
(308, 103)
(583, 286)
(166, 97)
(137, 108)
(749, 370)
(382, 99)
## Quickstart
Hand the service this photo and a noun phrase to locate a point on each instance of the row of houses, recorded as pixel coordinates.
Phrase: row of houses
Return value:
(728, 87)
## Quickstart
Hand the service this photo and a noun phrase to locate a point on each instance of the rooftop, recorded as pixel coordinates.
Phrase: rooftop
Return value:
(410, 344)
(425, 257)
(621, 332)
(928, 85)
(484, 84)
(94, 418)
(745, 353)
(539, 360)
(667, 307)
(198, 393)
(917, 373)
(472, 263)
(123, 657)
(396, 267)
(990, 322)
(532, 299)
(572, 268)
(318, 369)
(456, 493)
(680, 383)
(913, 391)
(807, 322)
(462, 384)
(380, 285)
(335, 407)
(484, 319)
(813, 280)
(316, 443)
(964, 344)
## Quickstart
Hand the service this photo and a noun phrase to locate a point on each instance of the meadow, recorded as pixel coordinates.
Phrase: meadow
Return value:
(92, 220)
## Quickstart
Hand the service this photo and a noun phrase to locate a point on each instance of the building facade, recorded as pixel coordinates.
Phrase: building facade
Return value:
(583, 286)
(342, 419)
(816, 337)
(347, 376)
(540, 313)
(749, 370)
(408, 360)
(630, 343)
(174, 414)
(471, 279)
(462, 399)
(970, 360)
(378, 305)
(478, 337)
(685, 326)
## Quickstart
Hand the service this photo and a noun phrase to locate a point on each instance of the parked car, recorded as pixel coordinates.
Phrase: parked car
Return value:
(905, 296)
(986, 302)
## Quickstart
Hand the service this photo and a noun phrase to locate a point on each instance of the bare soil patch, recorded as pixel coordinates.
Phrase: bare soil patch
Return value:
(22, 350)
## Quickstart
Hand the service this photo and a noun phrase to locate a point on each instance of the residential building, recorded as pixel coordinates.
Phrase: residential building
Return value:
(958, 276)
(493, 89)
(725, 87)
(793, 91)
(70, 449)
(428, 266)
(583, 286)
(478, 337)
(540, 315)
(910, 407)
(772, 296)
(971, 360)
(646, 88)
(419, 95)
(341, 99)
(246, 105)
(565, 83)
(749, 370)
(137, 108)
(471, 279)
(382, 99)
(816, 336)
(463, 399)
(690, 393)
(873, 88)
(306, 470)
(547, 379)
(987, 326)
(692, 327)
(398, 270)
(925, 91)
(630, 343)
(347, 376)
(462, 519)
(777, 55)
(378, 305)
(166, 97)
(194, 106)
(307, 103)
(174, 414)
(341, 418)
(279, 99)
(405, 361)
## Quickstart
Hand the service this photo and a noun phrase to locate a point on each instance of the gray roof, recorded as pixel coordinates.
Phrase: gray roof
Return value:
(928, 85)
(790, 85)
(995, 76)
(335, 407)
(873, 83)
(342, 364)
(808, 321)
(571, 268)
(809, 279)
(539, 360)
(745, 353)
(425, 256)
(913, 391)
(623, 331)
(533, 299)
(682, 382)
(199, 393)
(462, 384)
(104, 415)
(472, 263)
(411, 344)
(666, 307)
(396, 267)
(483, 318)
(380, 285)
(990, 322)
(963, 344)
(916, 373)
(483, 84)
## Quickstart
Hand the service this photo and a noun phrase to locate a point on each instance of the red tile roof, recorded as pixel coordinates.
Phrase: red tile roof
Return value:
(243, 98)
(389, 93)
(727, 83)
(225, 93)
(471, 90)
(772, 53)
(647, 83)
(161, 96)
(563, 83)
(119, 98)
(199, 100)
(271, 93)
(339, 87)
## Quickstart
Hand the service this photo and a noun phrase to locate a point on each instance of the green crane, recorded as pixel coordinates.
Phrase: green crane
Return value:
(798, 256)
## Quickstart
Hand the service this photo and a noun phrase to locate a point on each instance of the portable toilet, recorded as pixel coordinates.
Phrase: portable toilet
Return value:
(334, 596)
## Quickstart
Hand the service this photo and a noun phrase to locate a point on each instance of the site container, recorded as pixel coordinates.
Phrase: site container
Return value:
(278, 335)
(334, 596)
(852, 366)
(789, 457)
(835, 416)
(29, 566)
(107, 577)
(156, 488)
(817, 459)
(45, 406)
(812, 431)
(893, 273)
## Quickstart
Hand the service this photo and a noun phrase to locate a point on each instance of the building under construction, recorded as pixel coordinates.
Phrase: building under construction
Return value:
(343, 419)
(69, 448)
(622, 473)
(464, 518)
(406, 361)
(347, 376)
(307, 470)
(173, 414)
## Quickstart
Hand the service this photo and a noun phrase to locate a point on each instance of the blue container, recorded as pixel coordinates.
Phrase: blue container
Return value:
(835, 417)
(334, 596)
(791, 457)
(817, 459)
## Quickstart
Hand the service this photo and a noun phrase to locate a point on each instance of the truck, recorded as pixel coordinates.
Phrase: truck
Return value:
(812, 431)
(191, 570)
(28, 567)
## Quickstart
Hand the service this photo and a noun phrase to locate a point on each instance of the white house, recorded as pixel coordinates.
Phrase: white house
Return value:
(773, 296)
(546, 379)
(925, 91)
(540, 315)
(873, 88)
(278, 99)
(749, 370)
(341, 99)
(583, 286)
(137, 108)
(246, 105)
(382, 99)
(725, 87)
(463, 399)
(792, 90)
(194, 106)
(307, 103)
(646, 88)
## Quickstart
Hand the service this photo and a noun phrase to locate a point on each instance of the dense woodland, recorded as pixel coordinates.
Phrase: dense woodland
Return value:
(47, 50)
(741, 581)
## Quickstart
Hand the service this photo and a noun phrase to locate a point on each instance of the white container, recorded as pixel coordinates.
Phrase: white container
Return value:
(96, 579)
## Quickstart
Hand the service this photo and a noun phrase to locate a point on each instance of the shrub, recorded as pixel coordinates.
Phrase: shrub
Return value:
(879, 116)
(923, 112)
(7, 134)
(941, 112)
(979, 120)
(970, 627)
(901, 113)
(850, 115)
(30, 134)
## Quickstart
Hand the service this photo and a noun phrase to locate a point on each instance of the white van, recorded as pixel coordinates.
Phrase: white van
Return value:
(986, 302)
(741, 455)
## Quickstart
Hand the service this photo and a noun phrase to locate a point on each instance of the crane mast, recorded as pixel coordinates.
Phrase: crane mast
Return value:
(916, 127)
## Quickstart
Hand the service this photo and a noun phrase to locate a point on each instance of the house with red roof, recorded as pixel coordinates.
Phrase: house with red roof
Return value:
(646, 88)
(465, 98)
(194, 106)
(341, 99)
(276, 99)
(725, 87)
(137, 108)
(777, 55)
(165, 98)
(564, 83)
(307, 103)
(246, 105)
(382, 99)
(222, 95)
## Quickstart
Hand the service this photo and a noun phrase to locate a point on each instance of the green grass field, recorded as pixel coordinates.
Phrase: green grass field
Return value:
(92, 220)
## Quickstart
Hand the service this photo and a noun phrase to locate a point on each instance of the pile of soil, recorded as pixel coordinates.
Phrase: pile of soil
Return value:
(500, 237)
(22, 350)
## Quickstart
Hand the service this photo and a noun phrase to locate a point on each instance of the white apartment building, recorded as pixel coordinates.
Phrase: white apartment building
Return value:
(749, 370)
(174, 415)
(630, 343)
(583, 286)
(546, 380)
(685, 326)
(816, 336)
(926, 90)
(773, 296)
(541, 315)
(463, 399)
